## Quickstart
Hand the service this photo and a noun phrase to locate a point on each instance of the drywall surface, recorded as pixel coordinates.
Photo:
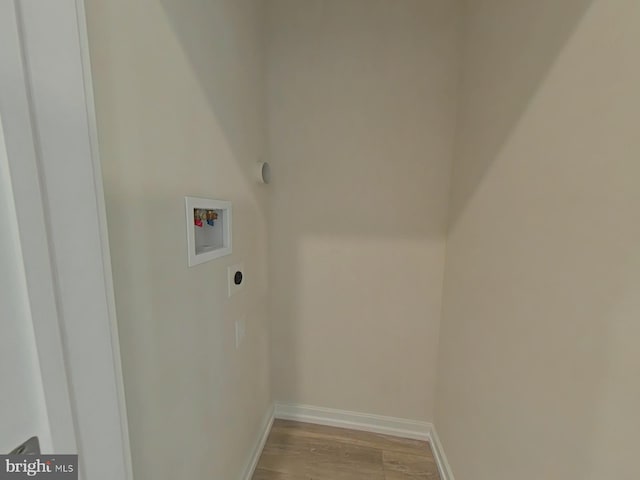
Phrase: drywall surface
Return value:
(180, 109)
(539, 365)
(361, 98)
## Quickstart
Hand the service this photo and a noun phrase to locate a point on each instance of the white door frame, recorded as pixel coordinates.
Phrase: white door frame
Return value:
(50, 131)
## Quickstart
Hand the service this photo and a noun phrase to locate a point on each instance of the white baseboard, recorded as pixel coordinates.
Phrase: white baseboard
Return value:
(438, 452)
(398, 427)
(267, 422)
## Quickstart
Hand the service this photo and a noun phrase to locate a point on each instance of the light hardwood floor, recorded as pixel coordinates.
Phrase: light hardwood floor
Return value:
(302, 451)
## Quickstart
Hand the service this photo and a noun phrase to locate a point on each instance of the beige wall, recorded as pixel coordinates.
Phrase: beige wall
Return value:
(538, 366)
(180, 106)
(361, 97)
(539, 363)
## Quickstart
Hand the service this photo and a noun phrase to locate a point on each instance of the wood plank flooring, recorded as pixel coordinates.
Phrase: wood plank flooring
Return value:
(302, 451)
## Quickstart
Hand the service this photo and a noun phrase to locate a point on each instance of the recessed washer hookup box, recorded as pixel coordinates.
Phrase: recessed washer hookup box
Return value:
(208, 229)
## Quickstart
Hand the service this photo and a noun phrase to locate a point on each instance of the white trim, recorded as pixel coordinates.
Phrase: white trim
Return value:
(266, 425)
(57, 77)
(22, 149)
(397, 427)
(438, 453)
(104, 234)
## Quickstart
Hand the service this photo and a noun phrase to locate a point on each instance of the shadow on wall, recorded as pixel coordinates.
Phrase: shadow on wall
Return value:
(177, 118)
(359, 217)
(362, 198)
(361, 112)
(535, 349)
(224, 30)
(485, 125)
(360, 186)
(361, 175)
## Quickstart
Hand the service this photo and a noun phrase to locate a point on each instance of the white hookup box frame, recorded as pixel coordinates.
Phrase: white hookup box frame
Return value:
(207, 242)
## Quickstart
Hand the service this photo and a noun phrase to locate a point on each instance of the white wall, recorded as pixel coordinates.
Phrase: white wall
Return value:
(361, 110)
(539, 362)
(180, 110)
